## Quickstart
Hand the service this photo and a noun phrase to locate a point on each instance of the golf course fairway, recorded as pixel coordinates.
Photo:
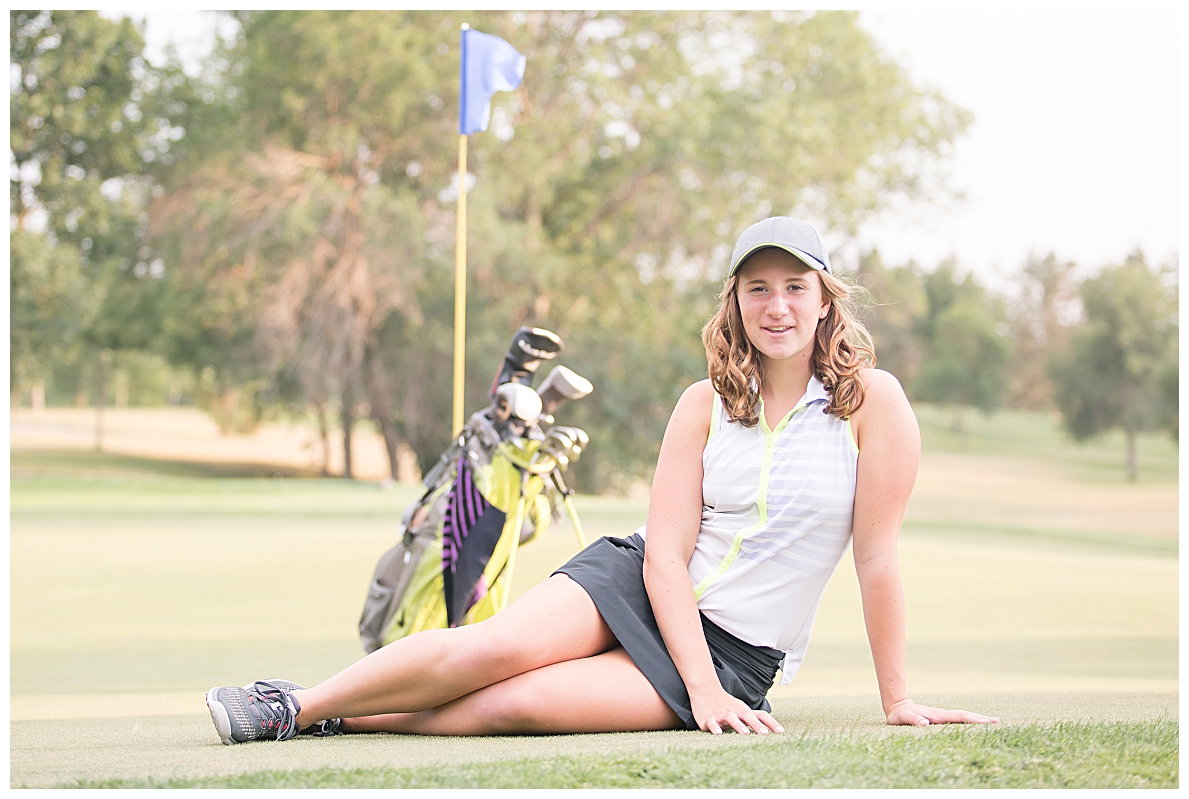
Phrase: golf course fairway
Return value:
(1040, 587)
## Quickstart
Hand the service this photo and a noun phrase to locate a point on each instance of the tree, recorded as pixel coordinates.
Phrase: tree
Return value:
(1040, 315)
(968, 349)
(898, 302)
(293, 227)
(638, 147)
(1122, 370)
(89, 121)
(71, 79)
(605, 197)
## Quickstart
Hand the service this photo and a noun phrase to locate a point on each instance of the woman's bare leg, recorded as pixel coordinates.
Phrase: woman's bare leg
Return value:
(553, 622)
(604, 693)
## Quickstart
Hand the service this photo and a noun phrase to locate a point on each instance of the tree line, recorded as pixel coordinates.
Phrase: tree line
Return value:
(274, 236)
(1101, 350)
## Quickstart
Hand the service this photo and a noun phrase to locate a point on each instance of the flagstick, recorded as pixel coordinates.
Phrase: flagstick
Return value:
(460, 285)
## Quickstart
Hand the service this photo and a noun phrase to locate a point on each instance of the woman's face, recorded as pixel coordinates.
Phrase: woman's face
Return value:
(780, 300)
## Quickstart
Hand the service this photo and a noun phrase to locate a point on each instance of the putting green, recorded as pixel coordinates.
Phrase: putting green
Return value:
(63, 752)
(133, 593)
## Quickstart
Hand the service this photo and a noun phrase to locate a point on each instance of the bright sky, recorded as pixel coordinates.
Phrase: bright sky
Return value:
(1074, 146)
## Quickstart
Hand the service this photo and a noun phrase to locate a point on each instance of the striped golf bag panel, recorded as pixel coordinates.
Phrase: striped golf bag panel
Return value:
(455, 561)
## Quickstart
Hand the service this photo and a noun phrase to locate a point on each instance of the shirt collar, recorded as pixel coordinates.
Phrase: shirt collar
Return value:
(816, 390)
(813, 392)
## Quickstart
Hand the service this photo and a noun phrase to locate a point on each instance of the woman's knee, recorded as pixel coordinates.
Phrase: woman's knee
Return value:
(507, 708)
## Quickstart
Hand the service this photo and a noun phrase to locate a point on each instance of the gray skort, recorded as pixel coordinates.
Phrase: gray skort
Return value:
(611, 570)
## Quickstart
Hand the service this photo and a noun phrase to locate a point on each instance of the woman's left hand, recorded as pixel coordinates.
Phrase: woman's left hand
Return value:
(910, 713)
(715, 710)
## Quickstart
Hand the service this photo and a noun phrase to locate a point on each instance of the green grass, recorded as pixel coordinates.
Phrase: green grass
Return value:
(1038, 436)
(69, 482)
(191, 497)
(1029, 566)
(1063, 755)
(950, 528)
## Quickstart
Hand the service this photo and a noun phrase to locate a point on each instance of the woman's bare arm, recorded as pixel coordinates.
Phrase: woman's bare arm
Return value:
(889, 443)
(674, 518)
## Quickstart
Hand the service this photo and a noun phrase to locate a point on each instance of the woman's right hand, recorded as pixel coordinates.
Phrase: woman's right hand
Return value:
(716, 709)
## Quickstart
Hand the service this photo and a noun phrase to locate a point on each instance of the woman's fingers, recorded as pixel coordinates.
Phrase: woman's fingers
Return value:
(736, 724)
(743, 723)
(907, 715)
(732, 714)
(915, 719)
(757, 720)
(751, 719)
(768, 721)
(940, 716)
(761, 722)
(922, 716)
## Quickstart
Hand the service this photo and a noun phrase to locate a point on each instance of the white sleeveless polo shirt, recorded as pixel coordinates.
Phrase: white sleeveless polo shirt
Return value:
(776, 520)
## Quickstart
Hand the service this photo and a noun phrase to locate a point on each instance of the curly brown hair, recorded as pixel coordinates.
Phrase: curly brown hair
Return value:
(842, 347)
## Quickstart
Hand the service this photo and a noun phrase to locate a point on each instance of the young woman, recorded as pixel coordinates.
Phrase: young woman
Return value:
(793, 449)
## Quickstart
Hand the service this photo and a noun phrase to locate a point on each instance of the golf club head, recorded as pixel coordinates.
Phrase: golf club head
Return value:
(517, 401)
(562, 384)
(565, 444)
(529, 346)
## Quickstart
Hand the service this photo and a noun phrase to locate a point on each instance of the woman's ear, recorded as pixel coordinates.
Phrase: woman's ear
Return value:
(825, 311)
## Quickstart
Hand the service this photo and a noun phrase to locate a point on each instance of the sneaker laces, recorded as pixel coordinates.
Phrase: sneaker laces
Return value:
(327, 728)
(276, 708)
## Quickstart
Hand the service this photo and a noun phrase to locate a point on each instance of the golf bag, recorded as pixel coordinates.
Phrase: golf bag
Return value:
(498, 486)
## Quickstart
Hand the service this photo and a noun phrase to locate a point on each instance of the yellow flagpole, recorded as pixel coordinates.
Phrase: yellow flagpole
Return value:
(460, 285)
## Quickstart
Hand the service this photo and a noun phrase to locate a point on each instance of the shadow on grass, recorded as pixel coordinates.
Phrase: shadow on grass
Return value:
(88, 463)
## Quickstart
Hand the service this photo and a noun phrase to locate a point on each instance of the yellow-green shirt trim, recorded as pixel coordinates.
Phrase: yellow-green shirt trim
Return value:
(850, 436)
(770, 437)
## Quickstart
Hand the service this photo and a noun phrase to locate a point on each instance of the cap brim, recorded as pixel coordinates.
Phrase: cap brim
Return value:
(803, 257)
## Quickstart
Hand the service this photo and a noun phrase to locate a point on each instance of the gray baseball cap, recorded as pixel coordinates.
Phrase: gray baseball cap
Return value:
(785, 233)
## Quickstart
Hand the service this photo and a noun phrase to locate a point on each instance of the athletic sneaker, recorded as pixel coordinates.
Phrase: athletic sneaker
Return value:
(322, 729)
(284, 685)
(262, 710)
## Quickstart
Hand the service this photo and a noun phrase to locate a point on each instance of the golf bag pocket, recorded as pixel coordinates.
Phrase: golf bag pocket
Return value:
(387, 588)
(375, 608)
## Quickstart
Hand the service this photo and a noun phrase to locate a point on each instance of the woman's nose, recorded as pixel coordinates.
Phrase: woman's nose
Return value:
(778, 305)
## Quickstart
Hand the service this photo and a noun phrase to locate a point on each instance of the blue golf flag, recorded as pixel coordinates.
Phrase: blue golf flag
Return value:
(489, 65)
